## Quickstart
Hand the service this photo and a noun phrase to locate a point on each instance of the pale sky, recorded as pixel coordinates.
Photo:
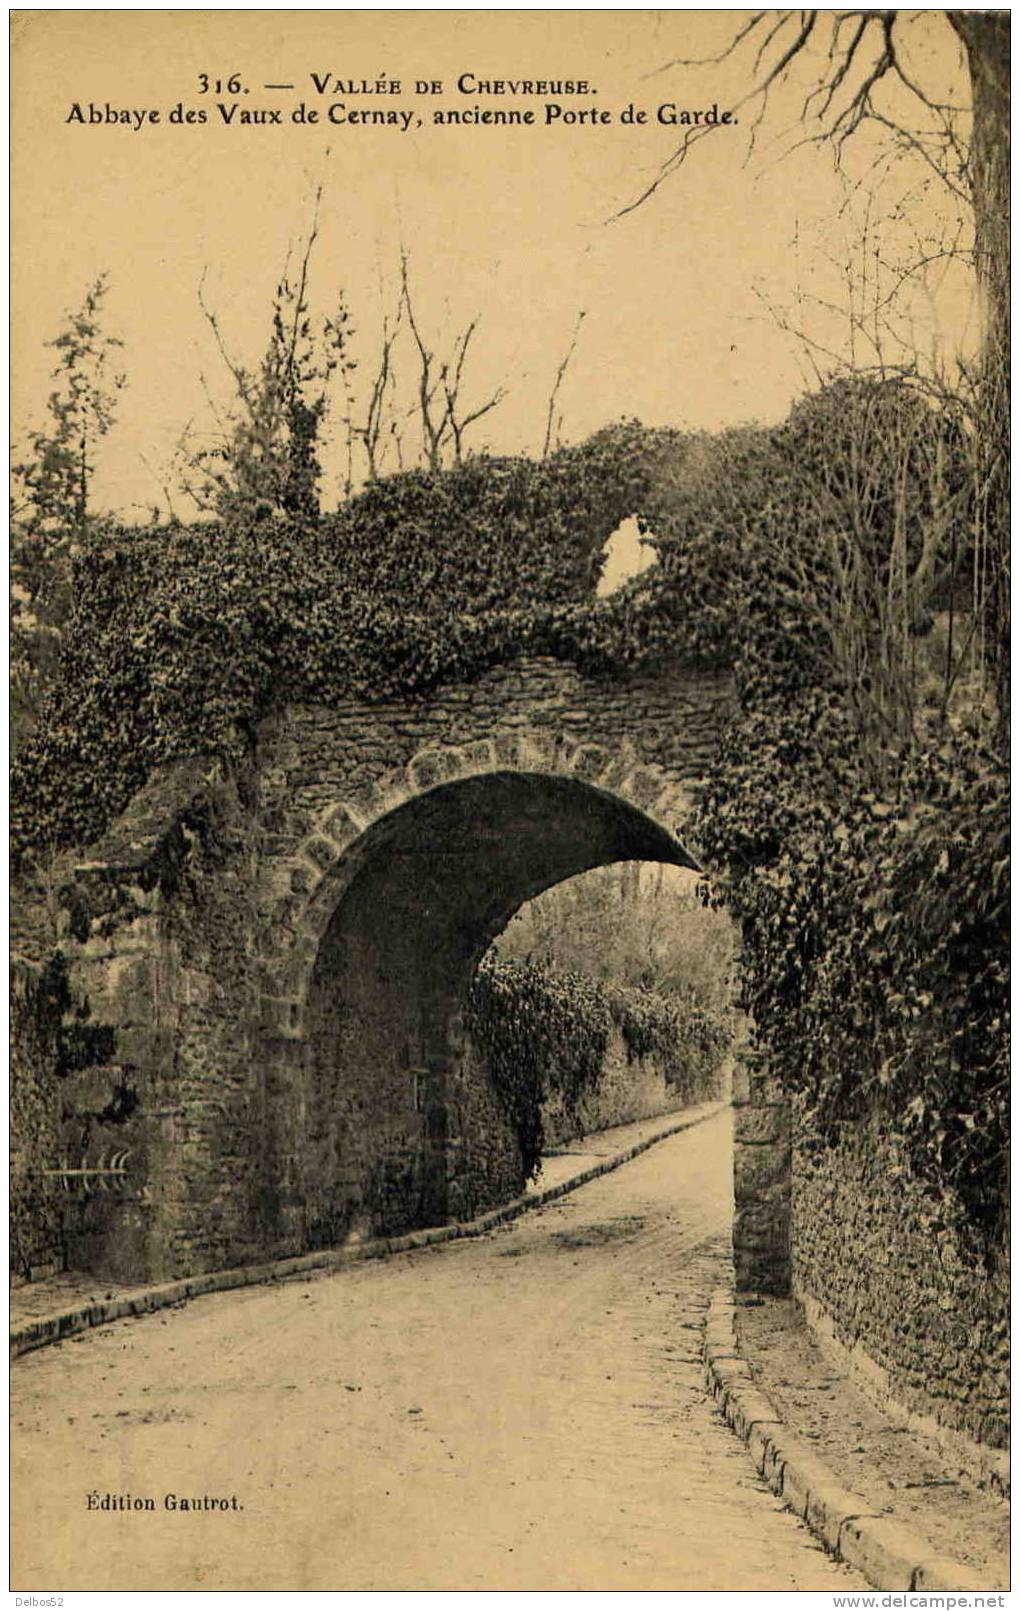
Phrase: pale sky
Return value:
(506, 224)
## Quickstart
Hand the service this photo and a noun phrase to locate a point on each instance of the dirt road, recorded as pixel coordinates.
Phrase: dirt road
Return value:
(523, 1411)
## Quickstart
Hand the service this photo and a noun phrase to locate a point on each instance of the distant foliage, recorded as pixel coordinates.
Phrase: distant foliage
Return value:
(631, 923)
(545, 1033)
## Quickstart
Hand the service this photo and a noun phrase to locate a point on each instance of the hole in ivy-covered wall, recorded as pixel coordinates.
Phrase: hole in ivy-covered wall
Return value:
(626, 556)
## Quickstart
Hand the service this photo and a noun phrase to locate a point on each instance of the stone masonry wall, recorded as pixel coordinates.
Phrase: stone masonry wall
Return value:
(761, 1183)
(170, 961)
(876, 1253)
(36, 1218)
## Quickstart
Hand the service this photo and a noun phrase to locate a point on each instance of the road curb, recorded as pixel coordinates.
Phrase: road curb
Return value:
(33, 1334)
(890, 1554)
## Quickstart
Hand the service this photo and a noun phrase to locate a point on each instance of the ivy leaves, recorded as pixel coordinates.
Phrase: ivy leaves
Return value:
(181, 638)
(546, 1032)
(874, 933)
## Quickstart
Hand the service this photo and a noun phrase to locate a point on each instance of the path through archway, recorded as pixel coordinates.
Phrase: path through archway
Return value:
(400, 1125)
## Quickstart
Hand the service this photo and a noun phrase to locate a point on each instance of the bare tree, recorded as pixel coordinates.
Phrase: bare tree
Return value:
(378, 426)
(552, 424)
(859, 54)
(440, 413)
(265, 455)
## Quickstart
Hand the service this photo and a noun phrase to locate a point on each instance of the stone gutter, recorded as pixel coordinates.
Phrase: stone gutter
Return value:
(888, 1553)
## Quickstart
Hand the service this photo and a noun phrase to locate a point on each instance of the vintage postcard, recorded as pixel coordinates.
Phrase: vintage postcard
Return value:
(509, 704)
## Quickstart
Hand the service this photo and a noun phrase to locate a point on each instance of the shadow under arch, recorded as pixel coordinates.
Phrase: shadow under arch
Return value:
(400, 1123)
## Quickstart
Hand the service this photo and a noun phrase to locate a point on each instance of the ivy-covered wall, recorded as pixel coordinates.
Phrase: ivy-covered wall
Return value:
(629, 1087)
(901, 1278)
(36, 1218)
(571, 1055)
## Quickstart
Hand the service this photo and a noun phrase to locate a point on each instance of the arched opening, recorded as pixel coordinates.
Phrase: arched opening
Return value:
(626, 554)
(400, 1127)
(607, 1001)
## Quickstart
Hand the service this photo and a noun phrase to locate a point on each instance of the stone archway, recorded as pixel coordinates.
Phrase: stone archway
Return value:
(384, 1116)
(199, 924)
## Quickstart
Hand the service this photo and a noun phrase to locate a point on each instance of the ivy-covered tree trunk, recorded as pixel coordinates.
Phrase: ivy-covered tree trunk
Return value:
(986, 39)
(985, 36)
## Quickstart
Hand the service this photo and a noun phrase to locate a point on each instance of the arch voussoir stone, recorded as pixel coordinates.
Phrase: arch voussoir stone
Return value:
(433, 766)
(589, 761)
(642, 787)
(535, 752)
(507, 748)
(303, 876)
(479, 756)
(613, 778)
(341, 824)
(320, 851)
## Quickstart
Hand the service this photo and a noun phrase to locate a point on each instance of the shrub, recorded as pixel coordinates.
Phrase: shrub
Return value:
(546, 1033)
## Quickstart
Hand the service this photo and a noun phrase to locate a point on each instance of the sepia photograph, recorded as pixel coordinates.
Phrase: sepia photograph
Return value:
(509, 802)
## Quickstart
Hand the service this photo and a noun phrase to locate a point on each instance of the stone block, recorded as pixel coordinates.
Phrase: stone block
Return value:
(773, 1460)
(829, 1506)
(642, 787)
(940, 1573)
(719, 1335)
(614, 776)
(340, 825)
(505, 746)
(729, 1371)
(429, 768)
(589, 761)
(320, 851)
(884, 1550)
(303, 879)
(479, 756)
(761, 1446)
(802, 1473)
(754, 1124)
(747, 1407)
(759, 1171)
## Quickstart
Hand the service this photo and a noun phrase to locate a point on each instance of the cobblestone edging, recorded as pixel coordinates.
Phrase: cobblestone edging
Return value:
(147, 1300)
(890, 1554)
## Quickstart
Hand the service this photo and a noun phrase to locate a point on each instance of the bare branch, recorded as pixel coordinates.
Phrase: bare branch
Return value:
(242, 378)
(710, 61)
(557, 383)
(836, 125)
